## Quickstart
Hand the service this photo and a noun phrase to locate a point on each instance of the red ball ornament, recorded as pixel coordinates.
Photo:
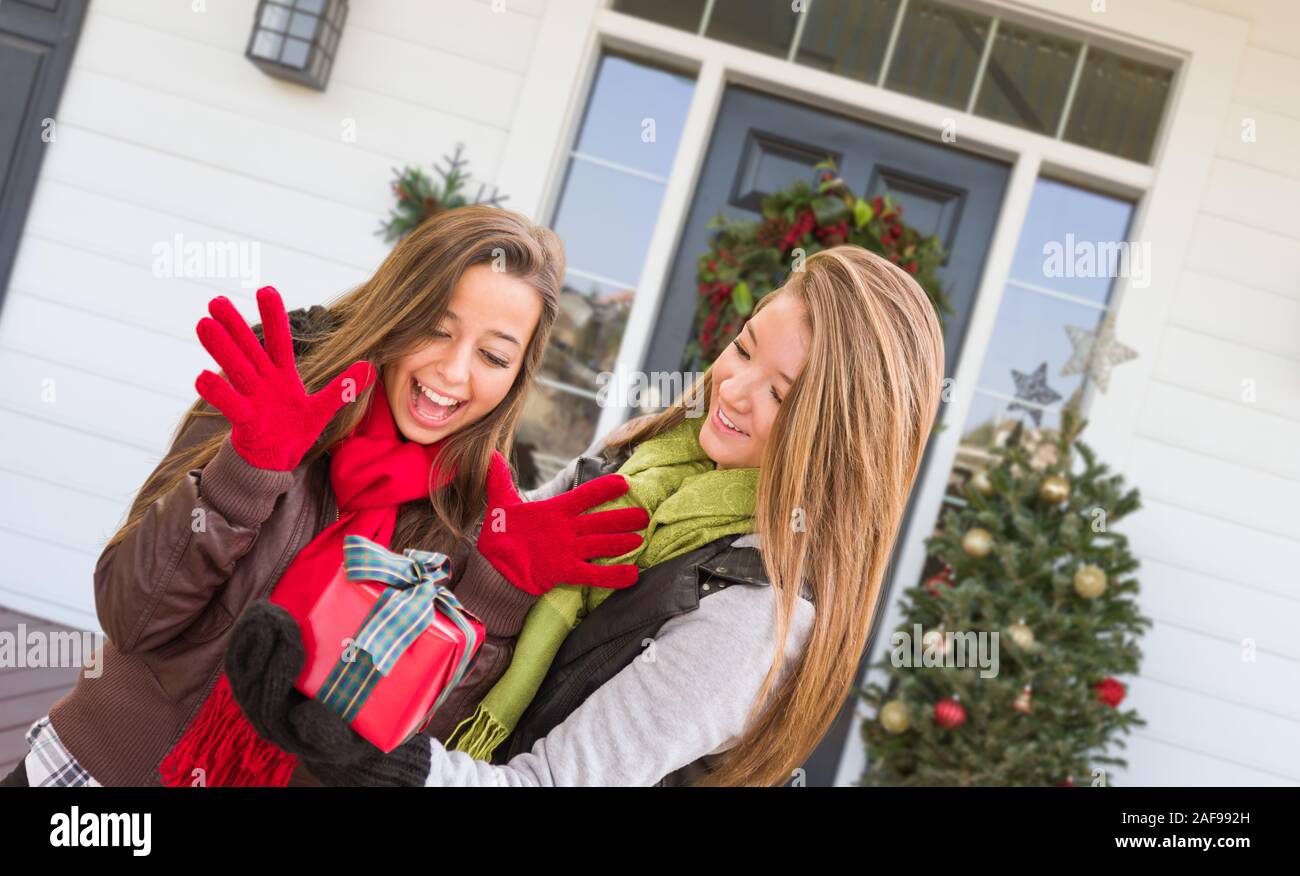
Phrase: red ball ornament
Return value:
(949, 713)
(944, 576)
(1110, 691)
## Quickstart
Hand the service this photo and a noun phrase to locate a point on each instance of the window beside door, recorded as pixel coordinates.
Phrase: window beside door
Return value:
(606, 212)
(1044, 294)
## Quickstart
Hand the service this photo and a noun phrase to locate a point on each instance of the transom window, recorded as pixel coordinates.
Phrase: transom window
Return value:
(1065, 88)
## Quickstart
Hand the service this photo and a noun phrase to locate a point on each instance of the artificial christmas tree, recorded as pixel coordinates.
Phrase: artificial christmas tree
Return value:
(1033, 567)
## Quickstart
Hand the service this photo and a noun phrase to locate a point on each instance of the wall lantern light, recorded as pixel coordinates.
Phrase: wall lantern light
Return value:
(296, 39)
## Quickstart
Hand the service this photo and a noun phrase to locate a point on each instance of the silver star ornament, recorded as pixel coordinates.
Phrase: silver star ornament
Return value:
(1096, 351)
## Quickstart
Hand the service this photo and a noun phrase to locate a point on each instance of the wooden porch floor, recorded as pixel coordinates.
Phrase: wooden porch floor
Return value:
(27, 693)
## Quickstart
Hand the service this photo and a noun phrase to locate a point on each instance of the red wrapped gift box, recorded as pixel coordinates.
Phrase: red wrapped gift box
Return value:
(400, 703)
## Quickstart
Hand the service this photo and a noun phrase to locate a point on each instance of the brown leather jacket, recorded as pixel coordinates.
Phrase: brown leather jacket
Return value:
(168, 594)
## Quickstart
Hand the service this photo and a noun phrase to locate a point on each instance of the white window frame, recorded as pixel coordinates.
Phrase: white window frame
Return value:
(1206, 45)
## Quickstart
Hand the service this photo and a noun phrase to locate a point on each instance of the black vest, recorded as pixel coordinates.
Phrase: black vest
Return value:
(613, 635)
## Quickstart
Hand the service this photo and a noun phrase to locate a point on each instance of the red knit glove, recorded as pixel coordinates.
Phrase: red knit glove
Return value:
(537, 545)
(273, 421)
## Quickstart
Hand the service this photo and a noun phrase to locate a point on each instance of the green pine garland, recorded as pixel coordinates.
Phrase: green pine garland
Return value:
(420, 196)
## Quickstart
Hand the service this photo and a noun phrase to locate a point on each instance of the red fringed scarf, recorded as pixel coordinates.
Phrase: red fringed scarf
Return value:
(373, 470)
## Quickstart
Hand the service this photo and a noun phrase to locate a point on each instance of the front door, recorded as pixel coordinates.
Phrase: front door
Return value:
(762, 144)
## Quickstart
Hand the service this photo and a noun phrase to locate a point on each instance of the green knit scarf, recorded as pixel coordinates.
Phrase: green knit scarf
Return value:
(691, 503)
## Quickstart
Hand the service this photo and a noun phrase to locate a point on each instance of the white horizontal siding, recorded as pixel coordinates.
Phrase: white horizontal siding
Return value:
(1192, 718)
(166, 129)
(1223, 430)
(1261, 258)
(76, 218)
(220, 77)
(1268, 76)
(1219, 470)
(1189, 599)
(1203, 545)
(64, 577)
(1226, 369)
(1166, 764)
(1258, 319)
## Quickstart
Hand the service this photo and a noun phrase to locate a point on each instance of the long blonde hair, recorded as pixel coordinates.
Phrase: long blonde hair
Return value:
(381, 320)
(843, 456)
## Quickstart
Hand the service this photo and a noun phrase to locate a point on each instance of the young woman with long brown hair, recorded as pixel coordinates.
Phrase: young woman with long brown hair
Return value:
(726, 663)
(387, 414)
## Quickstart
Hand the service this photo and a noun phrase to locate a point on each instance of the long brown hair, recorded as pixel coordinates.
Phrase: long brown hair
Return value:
(381, 320)
(861, 410)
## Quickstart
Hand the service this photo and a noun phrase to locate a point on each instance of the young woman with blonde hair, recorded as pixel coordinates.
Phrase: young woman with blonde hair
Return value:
(726, 663)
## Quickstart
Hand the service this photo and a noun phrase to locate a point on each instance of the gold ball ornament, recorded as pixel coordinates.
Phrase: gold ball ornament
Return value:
(1021, 634)
(1090, 581)
(1054, 489)
(894, 717)
(977, 542)
(981, 483)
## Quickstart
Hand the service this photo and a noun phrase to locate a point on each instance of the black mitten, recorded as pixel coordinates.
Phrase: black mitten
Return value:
(264, 658)
(365, 765)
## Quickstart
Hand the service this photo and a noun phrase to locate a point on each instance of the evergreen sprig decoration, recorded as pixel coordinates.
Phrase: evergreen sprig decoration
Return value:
(420, 196)
(747, 259)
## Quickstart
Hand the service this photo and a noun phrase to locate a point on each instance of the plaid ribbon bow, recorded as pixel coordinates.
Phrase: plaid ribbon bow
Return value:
(413, 592)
